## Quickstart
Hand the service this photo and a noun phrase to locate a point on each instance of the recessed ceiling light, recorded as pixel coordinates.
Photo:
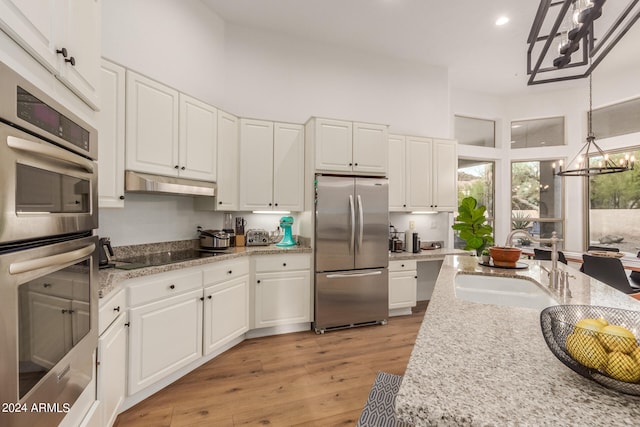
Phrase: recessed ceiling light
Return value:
(502, 20)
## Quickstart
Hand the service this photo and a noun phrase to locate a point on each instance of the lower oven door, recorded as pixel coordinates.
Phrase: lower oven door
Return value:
(48, 311)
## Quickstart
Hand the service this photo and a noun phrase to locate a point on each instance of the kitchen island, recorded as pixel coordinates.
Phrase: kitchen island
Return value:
(482, 364)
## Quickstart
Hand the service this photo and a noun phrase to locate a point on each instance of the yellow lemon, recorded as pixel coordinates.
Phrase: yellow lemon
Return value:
(603, 321)
(617, 338)
(623, 367)
(587, 350)
(588, 327)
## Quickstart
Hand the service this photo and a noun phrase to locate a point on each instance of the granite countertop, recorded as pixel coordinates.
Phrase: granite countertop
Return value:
(110, 279)
(480, 364)
(426, 255)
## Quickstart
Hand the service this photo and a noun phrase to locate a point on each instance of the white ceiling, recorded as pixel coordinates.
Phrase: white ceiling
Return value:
(459, 34)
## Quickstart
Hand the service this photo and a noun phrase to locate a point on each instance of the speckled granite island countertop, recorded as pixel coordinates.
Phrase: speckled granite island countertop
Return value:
(486, 365)
(111, 278)
(426, 255)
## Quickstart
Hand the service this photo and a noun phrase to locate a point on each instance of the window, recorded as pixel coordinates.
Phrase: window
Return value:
(479, 132)
(536, 199)
(475, 179)
(618, 119)
(614, 205)
(537, 132)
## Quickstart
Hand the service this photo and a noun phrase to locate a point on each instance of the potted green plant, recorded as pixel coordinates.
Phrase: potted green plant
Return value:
(486, 257)
(473, 225)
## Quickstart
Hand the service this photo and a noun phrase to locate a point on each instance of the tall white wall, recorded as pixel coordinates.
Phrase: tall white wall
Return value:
(179, 43)
(282, 78)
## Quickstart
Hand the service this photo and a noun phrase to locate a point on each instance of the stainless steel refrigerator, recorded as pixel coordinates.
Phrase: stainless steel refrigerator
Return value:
(351, 251)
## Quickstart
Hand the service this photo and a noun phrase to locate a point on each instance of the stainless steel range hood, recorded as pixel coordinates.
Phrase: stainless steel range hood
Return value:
(135, 182)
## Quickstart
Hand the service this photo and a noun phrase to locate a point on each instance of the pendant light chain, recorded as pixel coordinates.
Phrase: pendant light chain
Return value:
(589, 120)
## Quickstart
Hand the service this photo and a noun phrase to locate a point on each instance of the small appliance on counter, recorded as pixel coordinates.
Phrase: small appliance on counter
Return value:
(416, 243)
(395, 242)
(287, 240)
(105, 243)
(258, 237)
(214, 239)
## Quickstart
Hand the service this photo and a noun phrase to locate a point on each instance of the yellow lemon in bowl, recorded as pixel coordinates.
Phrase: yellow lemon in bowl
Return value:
(588, 326)
(617, 338)
(623, 367)
(587, 350)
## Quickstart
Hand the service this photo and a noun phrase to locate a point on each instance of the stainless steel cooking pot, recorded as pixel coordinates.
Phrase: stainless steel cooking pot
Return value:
(214, 239)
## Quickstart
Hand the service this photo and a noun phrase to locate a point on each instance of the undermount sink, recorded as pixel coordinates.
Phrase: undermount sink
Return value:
(505, 291)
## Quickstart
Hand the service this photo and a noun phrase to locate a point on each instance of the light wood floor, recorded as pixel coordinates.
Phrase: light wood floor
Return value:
(285, 380)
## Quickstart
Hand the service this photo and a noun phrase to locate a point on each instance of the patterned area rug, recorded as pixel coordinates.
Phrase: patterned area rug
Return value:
(378, 411)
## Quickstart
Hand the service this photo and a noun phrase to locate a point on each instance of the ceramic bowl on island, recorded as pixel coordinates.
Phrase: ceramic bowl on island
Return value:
(504, 256)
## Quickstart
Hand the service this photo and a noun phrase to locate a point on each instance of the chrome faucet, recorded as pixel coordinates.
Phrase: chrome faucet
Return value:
(558, 279)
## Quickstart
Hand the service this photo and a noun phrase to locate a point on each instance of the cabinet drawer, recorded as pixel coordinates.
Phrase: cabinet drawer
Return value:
(402, 265)
(110, 309)
(56, 284)
(283, 262)
(225, 270)
(158, 286)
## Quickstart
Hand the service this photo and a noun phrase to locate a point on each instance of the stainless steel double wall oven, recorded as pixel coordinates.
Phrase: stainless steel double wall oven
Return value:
(48, 257)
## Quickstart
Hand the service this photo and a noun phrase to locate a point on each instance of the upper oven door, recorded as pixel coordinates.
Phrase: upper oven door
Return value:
(46, 190)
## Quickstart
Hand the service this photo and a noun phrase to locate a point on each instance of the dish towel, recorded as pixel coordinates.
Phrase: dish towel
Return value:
(378, 411)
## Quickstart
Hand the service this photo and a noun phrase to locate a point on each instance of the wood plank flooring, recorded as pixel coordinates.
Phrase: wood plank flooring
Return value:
(286, 380)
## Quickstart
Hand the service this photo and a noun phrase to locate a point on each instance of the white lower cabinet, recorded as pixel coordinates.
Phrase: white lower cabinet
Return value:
(166, 334)
(112, 369)
(226, 303)
(282, 290)
(403, 278)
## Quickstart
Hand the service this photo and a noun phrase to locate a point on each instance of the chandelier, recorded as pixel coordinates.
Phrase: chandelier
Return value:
(569, 38)
(580, 164)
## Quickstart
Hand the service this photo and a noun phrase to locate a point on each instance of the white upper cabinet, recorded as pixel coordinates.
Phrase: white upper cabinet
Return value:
(271, 165)
(152, 126)
(169, 133)
(111, 132)
(422, 174)
(370, 150)
(288, 167)
(228, 163)
(445, 174)
(349, 147)
(256, 164)
(64, 36)
(198, 126)
(419, 172)
(397, 175)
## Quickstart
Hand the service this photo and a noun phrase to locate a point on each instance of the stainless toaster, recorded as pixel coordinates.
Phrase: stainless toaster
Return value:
(257, 237)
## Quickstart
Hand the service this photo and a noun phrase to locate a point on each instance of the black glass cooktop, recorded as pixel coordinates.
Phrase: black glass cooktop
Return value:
(163, 258)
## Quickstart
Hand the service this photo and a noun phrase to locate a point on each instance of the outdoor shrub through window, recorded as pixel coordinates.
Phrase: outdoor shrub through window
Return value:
(536, 200)
(476, 179)
(614, 207)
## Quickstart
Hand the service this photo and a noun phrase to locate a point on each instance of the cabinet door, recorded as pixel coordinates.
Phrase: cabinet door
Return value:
(33, 25)
(256, 165)
(288, 167)
(164, 336)
(80, 320)
(445, 179)
(82, 38)
(334, 145)
(228, 162)
(370, 148)
(151, 126)
(226, 312)
(50, 324)
(112, 369)
(402, 289)
(419, 173)
(282, 298)
(198, 139)
(111, 131)
(397, 173)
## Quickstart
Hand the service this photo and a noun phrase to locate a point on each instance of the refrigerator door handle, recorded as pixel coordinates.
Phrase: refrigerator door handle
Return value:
(343, 276)
(360, 221)
(353, 223)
